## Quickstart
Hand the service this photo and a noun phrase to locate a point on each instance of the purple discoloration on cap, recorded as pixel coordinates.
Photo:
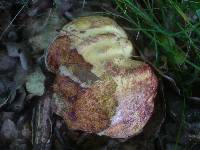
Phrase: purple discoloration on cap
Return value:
(72, 116)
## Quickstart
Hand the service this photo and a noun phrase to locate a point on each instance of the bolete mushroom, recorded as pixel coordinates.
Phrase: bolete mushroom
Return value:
(98, 88)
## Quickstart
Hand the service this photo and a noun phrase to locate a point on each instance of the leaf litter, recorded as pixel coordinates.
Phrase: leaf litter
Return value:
(26, 118)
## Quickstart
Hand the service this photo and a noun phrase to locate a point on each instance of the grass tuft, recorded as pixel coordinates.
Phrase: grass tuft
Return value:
(171, 30)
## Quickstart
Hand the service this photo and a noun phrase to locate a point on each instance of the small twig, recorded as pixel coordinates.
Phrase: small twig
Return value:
(83, 4)
(13, 20)
(47, 19)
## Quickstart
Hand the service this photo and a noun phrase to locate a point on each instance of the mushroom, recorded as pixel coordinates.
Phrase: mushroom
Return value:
(98, 87)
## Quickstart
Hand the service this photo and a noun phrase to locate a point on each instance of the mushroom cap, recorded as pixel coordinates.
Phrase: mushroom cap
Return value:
(118, 105)
(98, 88)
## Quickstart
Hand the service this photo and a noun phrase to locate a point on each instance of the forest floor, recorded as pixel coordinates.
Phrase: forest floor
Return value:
(165, 34)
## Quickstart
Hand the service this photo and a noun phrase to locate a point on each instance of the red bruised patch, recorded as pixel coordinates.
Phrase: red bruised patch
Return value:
(59, 53)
